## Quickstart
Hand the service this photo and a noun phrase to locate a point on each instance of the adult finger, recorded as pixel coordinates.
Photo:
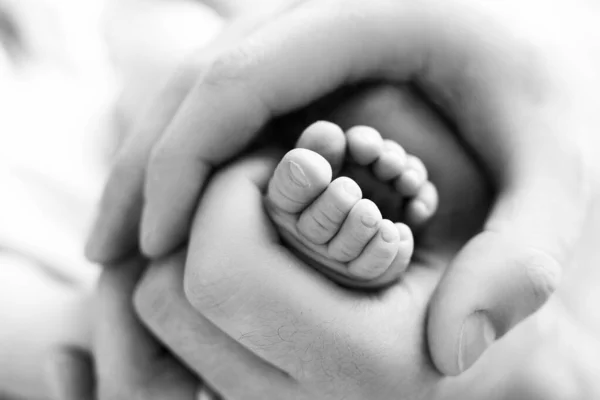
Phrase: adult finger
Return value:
(518, 130)
(504, 274)
(158, 237)
(233, 371)
(258, 79)
(509, 270)
(129, 362)
(240, 277)
(115, 231)
(219, 118)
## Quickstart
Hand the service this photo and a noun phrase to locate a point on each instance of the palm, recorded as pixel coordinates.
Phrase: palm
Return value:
(465, 195)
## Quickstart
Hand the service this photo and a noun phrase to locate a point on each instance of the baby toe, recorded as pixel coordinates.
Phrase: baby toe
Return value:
(406, 247)
(423, 206)
(391, 162)
(357, 230)
(413, 177)
(378, 255)
(325, 216)
(364, 144)
(299, 178)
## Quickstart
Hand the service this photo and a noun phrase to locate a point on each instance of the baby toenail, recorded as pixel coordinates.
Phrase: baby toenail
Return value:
(389, 235)
(351, 188)
(298, 176)
(369, 221)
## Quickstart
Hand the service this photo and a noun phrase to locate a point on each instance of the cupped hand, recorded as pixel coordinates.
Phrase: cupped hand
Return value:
(519, 367)
(517, 88)
(289, 333)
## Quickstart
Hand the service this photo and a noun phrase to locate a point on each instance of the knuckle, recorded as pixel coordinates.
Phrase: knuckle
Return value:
(230, 65)
(543, 273)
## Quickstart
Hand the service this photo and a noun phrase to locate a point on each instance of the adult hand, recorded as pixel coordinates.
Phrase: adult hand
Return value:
(550, 345)
(128, 363)
(517, 89)
(518, 368)
(301, 337)
(181, 59)
(549, 357)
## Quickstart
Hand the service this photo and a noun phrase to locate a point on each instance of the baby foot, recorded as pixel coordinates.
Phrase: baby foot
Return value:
(330, 224)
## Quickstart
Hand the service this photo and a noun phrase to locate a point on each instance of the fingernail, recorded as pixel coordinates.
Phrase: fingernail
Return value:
(477, 334)
(298, 175)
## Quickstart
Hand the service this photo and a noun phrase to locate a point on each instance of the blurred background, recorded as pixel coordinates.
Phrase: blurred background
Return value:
(73, 75)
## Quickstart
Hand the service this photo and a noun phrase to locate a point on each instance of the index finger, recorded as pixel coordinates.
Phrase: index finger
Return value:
(115, 231)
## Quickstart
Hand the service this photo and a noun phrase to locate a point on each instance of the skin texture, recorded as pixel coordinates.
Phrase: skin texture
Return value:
(519, 99)
(314, 217)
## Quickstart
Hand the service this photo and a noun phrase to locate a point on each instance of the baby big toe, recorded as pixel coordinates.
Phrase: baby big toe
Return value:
(357, 230)
(421, 208)
(326, 139)
(299, 178)
(324, 217)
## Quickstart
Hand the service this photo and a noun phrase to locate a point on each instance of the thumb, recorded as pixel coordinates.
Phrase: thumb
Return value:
(511, 268)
